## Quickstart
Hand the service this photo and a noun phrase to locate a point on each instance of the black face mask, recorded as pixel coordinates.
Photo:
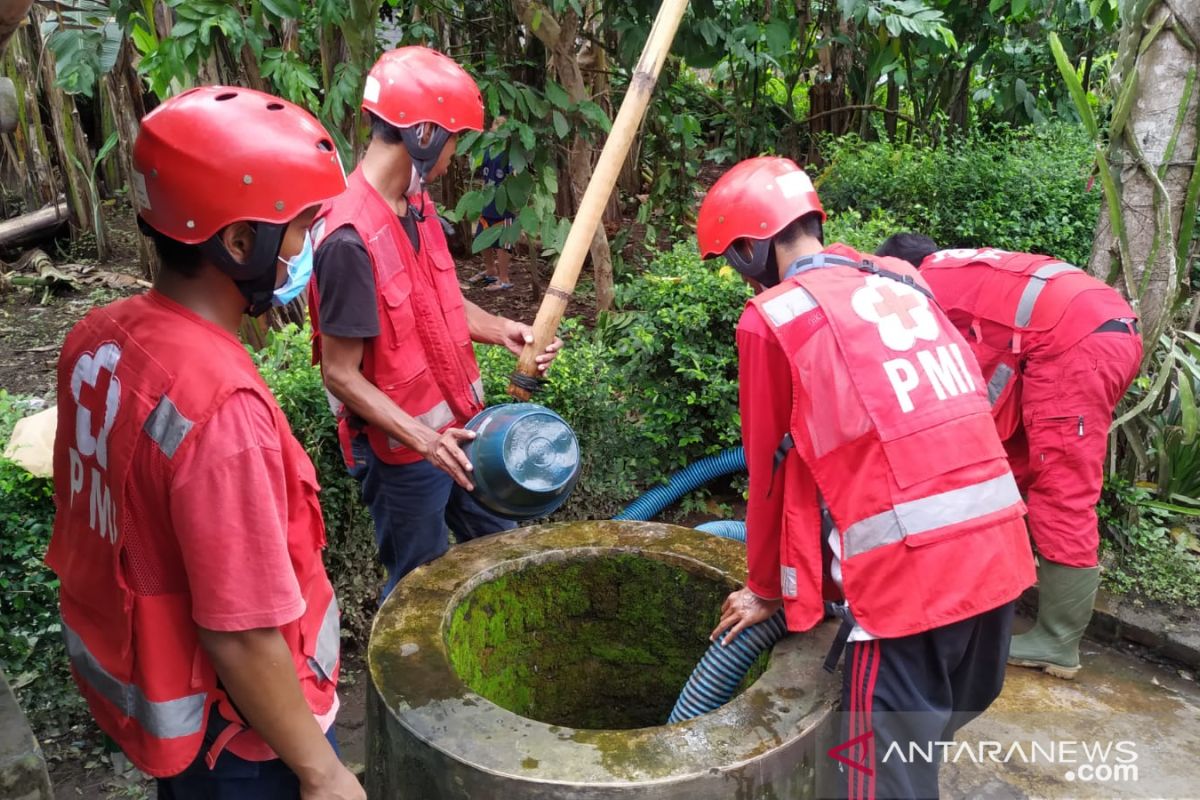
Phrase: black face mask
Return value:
(760, 266)
(424, 156)
(255, 278)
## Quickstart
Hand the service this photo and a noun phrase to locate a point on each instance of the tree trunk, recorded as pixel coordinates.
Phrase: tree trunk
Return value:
(122, 90)
(559, 38)
(1153, 152)
(28, 147)
(74, 157)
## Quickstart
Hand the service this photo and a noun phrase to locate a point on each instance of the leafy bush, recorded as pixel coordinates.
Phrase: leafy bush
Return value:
(286, 365)
(863, 234)
(583, 389)
(1023, 191)
(32, 654)
(1146, 550)
(652, 388)
(673, 341)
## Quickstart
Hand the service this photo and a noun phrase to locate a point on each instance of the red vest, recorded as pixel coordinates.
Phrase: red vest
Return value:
(137, 380)
(890, 418)
(422, 359)
(1002, 302)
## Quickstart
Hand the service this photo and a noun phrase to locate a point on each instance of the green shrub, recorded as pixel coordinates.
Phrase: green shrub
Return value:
(286, 365)
(863, 234)
(673, 342)
(652, 388)
(1023, 190)
(1144, 549)
(32, 654)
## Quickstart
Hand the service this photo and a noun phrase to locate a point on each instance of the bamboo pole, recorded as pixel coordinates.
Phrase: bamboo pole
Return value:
(595, 198)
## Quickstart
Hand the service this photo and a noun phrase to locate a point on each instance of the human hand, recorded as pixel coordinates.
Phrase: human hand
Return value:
(517, 334)
(445, 452)
(740, 610)
(338, 784)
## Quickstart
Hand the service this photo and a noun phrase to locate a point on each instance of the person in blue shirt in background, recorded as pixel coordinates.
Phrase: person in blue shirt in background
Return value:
(496, 259)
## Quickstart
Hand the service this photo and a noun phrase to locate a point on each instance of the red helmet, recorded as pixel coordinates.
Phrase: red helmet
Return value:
(755, 199)
(218, 154)
(410, 85)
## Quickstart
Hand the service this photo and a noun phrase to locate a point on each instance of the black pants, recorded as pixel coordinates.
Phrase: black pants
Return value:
(901, 697)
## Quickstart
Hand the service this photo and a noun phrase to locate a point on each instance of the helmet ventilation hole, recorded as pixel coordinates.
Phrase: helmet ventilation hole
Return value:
(274, 106)
(225, 96)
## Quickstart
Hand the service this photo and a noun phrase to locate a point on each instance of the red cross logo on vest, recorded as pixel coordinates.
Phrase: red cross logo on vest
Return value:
(97, 394)
(900, 312)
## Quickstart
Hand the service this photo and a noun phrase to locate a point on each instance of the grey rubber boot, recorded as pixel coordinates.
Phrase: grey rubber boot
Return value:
(1065, 598)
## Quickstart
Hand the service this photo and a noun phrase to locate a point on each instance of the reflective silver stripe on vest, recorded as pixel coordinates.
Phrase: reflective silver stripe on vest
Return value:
(167, 427)
(164, 719)
(1033, 289)
(477, 388)
(930, 513)
(999, 381)
(437, 417)
(789, 305)
(329, 643)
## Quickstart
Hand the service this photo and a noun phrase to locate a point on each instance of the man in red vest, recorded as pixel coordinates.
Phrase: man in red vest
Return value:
(393, 331)
(1058, 349)
(870, 447)
(199, 621)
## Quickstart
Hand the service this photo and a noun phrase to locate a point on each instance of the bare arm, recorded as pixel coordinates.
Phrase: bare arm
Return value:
(485, 328)
(257, 670)
(490, 329)
(340, 364)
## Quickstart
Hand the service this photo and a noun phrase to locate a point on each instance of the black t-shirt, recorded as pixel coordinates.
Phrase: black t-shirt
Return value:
(346, 282)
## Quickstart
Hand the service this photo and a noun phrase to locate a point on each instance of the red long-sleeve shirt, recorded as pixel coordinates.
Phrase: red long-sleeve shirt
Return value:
(765, 397)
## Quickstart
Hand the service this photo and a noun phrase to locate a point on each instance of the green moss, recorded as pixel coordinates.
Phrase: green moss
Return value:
(594, 643)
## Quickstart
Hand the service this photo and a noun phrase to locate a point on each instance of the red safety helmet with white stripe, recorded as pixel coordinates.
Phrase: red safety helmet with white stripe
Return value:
(216, 155)
(747, 207)
(413, 85)
(220, 154)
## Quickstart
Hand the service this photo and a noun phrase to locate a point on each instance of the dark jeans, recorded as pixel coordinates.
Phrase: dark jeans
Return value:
(898, 694)
(412, 506)
(233, 778)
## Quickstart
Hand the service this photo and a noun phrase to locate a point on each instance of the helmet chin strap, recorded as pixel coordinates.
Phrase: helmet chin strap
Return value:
(424, 156)
(254, 277)
(760, 266)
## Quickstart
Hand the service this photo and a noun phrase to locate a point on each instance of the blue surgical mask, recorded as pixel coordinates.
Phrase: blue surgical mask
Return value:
(299, 271)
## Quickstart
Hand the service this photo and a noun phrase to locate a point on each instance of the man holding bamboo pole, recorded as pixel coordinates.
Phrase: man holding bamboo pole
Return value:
(393, 333)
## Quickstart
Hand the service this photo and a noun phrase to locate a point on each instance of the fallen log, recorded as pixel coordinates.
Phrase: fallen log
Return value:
(32, 225)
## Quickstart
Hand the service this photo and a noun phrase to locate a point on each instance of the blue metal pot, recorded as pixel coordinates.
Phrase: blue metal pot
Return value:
(526, 460)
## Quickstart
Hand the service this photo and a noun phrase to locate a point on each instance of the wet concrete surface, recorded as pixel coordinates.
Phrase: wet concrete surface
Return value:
(1123, 728)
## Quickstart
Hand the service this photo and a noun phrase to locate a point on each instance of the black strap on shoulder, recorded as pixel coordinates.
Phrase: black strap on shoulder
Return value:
(869, 266)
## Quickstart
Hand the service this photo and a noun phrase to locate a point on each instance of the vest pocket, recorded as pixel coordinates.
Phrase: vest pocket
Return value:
(450, 296)
(405, 359)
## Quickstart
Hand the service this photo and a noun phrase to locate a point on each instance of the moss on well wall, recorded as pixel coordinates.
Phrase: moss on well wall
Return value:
(602, 642)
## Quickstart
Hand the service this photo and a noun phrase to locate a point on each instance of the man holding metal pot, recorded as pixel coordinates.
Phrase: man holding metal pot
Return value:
(393, 333)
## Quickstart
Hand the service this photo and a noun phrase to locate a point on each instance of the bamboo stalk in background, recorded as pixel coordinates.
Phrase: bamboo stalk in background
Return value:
(595, 198)
(74, 159)
(32, 151)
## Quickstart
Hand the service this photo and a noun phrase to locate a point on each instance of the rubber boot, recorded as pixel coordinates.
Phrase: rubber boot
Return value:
(1065, 598)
